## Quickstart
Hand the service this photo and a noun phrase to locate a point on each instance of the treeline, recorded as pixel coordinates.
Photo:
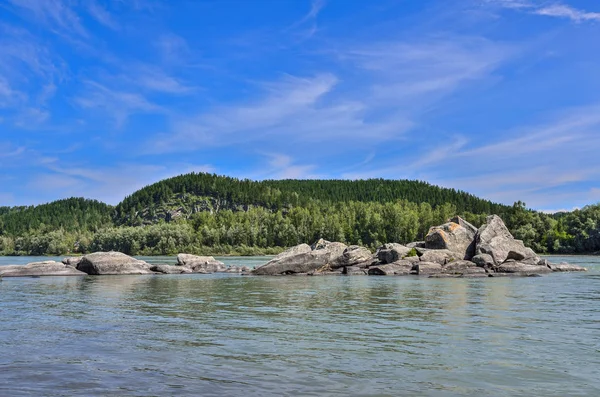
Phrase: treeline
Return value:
(206, 214)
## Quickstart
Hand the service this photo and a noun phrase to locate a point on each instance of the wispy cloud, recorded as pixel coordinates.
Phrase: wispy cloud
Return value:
(57, 15)
(557, 10)
(101, 14)
(118, 104)
(307, 25)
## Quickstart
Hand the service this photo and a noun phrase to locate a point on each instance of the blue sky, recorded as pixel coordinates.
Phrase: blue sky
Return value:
(500, 98)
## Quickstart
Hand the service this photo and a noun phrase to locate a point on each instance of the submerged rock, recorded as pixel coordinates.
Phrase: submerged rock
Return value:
(170, 269)
(565, 267)
(40, 269)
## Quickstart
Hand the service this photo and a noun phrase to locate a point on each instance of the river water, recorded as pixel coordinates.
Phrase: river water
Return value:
(231, 335)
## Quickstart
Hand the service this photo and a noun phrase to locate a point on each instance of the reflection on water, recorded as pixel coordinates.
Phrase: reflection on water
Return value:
(190, 335)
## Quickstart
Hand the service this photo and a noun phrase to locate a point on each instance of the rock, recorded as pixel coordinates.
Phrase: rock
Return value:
(517, 267)
(72, 261)
(201, 264)
(398, 268)
(428, 268)
(170, 269)
(416, 244)
(354, 271)
(440, 256)
(457, 236)
(463, 267)
(392, 252)
(39, 269)
(303, 259)
(565, 267)
(112, 263)
(494, 239)
(353, 256)
(484, 260)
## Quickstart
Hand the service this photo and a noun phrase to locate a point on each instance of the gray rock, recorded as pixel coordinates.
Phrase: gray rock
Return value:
(303, 259)
(517, 267)
(458, 237)
(484, 260)
(398, 268)
(495, 239)
(112, 263)
(440, 256)
(391, 252)
(72, 261)
(428, 268)
(354, 271)
(40, 269)
(353, 256)
(416, 244)
(463, 267)
(201, 264)
(459, 275)
(170, 269)
(565, 267)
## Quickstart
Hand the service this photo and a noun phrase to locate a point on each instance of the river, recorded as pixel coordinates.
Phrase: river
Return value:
(231, 335)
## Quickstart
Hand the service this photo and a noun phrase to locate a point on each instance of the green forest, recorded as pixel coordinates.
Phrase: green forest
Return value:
(209, 214)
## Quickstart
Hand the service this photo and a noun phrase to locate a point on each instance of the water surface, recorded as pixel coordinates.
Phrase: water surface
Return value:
(230, 335)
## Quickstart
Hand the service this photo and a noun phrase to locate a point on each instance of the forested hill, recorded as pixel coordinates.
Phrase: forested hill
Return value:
(221, 192)
(210, 214)
(74, 214)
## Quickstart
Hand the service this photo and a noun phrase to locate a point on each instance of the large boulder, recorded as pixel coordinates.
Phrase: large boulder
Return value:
(391, 252)
(201, 264)
(494, 239)
(399, 268)
(112, 263)
(428, 268)
(457, 236)
(441, 256)
(303, 259)
(39, 269)
(463, 267)
(353, 255)
(170, 269)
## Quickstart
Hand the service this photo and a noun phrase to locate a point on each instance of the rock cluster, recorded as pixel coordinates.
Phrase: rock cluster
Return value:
(454, 249)
(117, 263)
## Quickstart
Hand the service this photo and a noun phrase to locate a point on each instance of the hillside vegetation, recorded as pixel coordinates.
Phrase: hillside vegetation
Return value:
(205, 213)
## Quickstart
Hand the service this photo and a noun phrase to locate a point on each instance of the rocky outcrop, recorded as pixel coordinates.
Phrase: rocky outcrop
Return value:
(456, 236)
(454, 249)
(40, 269)
(112, 263)
(303, 259)
(201, 264)
(494, 239)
